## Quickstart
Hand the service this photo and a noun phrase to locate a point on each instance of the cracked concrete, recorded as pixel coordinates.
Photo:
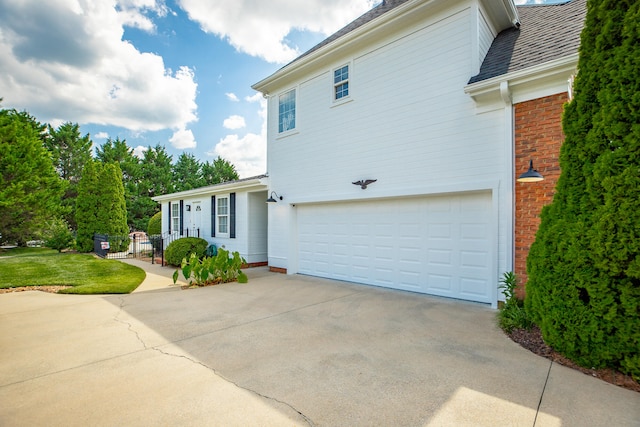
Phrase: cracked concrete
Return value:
(281, 350)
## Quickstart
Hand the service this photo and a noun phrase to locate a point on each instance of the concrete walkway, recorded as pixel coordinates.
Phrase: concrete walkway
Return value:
(280, 351)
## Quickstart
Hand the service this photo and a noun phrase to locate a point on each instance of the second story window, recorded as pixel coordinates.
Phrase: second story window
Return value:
(341, 83)
(287, 111)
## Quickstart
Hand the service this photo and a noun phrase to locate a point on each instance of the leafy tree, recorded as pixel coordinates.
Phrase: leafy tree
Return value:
(89, 192)
(220, 170)
(70, 153)
(157, 172)
(584, 267)
(30, 189)
(155, 179)
(187, 172)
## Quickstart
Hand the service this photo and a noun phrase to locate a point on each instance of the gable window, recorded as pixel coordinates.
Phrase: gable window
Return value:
(175, 217)
(341, 83)
(287, 111)
(222, 215)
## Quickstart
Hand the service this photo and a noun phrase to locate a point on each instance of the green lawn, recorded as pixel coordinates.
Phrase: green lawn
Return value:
(86, 273)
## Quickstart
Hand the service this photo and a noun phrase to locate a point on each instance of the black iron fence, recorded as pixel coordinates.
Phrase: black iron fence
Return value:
(138, 244)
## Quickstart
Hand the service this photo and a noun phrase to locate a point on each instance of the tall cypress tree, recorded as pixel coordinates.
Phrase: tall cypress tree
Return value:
(87, 206)
(584, 267)
(112, 208)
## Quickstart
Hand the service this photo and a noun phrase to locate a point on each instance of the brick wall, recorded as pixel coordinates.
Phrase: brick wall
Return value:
(538, 137)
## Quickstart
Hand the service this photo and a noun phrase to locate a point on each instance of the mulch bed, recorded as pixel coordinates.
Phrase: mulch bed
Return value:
(50, 289)
(532, 341)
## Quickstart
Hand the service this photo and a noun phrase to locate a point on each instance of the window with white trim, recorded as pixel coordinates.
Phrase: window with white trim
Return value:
(341, 83)
(175, 217)
(287, 111)
(222, 215)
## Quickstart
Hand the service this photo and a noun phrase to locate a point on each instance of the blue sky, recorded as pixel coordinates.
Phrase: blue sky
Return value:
(172, 72)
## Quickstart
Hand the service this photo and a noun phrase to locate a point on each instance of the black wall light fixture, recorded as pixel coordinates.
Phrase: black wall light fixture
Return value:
(531, 175)
(271, 199)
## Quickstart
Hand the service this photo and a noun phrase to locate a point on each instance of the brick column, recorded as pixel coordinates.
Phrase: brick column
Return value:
(538, 137)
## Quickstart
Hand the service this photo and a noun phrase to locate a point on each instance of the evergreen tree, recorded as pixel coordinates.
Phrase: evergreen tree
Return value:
(112, 207)
(70, 153)
(89, 192)
(117, 151)
(584, 267)
(187, 173)
(218, 171)
(155, 179)
(30, 189)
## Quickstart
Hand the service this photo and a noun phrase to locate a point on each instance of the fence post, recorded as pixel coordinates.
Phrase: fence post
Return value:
(162, 248)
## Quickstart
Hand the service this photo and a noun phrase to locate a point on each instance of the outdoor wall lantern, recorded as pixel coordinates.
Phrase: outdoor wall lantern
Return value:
(531, 175)
(271, 199)
(188, 208)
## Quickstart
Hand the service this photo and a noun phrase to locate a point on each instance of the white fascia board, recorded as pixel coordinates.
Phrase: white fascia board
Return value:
(282, 76)
(257, 184)
(556, 71)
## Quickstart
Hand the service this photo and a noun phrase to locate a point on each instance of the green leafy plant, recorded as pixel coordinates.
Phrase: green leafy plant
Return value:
(179, 249)
(513, 314)
(222, 268)
(155, 224)
(57, 235)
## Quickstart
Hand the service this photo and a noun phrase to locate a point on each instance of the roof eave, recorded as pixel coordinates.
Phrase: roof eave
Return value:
(556, 67)
(256, 184)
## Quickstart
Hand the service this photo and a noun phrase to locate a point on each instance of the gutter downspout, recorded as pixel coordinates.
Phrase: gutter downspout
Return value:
(509, 174)
(512, 11)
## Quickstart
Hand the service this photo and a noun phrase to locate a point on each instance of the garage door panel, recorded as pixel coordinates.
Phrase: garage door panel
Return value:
(438, 245)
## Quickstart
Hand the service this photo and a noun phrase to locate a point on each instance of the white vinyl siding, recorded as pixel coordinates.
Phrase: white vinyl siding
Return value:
(421, 135)
(485, 36)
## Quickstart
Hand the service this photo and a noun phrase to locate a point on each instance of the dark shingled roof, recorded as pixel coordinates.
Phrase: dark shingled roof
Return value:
(546, 32)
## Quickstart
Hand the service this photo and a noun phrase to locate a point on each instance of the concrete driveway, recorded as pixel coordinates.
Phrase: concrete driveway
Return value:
(282, 351)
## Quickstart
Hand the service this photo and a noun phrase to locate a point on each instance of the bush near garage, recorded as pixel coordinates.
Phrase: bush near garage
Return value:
(183, 248)
(584, 266)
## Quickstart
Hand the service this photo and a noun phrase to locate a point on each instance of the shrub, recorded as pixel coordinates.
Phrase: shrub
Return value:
(513, 314)
(584, 266)
(222, 268)
(183, 248)
(57, 235)
(155, 224)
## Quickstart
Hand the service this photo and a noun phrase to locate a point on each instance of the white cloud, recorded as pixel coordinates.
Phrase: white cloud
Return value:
(101, 135)
(247, 153)
(234, 122)
(183, 139)
(259, 28)
(66, 60)
(139, 151)
(232, 97)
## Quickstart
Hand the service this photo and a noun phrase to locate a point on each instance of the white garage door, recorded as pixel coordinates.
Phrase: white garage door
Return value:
(435, 245)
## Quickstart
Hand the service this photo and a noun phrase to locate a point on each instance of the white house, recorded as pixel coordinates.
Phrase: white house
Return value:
(394, 146)
(423, 98)
(232, 215)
